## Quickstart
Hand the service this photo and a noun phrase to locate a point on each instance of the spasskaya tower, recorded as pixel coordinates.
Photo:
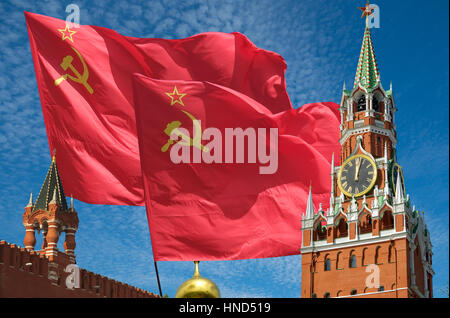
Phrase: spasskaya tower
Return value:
(371, 242)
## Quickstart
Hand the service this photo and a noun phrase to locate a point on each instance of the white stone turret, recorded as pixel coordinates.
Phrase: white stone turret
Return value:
(387, 191)
(332, 186)
(399, 196)
(30, 203)
(54, 198)
(309, 206)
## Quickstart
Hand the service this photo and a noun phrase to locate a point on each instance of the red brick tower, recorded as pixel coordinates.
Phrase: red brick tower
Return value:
(51, 216)
(49, 272)
(371, 242)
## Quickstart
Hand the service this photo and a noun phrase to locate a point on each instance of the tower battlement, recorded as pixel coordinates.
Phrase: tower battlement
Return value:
(26, 273)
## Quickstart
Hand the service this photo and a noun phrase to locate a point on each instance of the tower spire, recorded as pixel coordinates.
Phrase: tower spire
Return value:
(54, 198)
(30, 203)
(367, 73)
(399, 196)
(331, 208)
(52, 186)
(309, 206)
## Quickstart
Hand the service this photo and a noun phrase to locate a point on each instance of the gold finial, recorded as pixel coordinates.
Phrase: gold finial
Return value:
(196, 271)
(198, 287)
(54, 155)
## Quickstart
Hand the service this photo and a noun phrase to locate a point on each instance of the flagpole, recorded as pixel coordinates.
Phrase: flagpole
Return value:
(157, 278)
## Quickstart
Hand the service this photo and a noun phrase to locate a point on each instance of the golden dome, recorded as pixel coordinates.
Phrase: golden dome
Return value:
(198, 287)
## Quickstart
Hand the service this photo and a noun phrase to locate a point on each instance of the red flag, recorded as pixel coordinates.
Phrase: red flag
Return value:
(224, 178)
(84, 78)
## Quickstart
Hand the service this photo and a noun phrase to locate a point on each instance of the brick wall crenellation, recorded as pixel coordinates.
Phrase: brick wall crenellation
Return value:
(31, 274)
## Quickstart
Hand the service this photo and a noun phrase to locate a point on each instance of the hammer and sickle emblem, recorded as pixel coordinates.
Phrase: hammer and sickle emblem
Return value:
(172, 128)
(78, 78)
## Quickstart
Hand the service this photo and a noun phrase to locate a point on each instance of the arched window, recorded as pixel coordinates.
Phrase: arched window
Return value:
(353, 292)
(361, 104)
(377, 255)
(391, 254)
(314, 295)
(339, 261)
(381, 288)
(320, 232)
(326, 295)
(364, 257)
(342, 228)
(365, 223)
(375, 104)
(352, 260)
(339, 293)
(387, 221)
(327, 264)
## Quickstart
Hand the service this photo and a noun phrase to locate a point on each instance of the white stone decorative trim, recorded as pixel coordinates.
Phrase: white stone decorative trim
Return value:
(379, 123)
(372, 293)
(358, 123)
(368, 128)
(344, 242)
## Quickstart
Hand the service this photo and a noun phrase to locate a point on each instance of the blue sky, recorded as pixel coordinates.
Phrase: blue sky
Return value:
(320, 41)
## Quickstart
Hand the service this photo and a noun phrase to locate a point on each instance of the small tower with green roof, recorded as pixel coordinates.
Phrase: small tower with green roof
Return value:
(50, 215)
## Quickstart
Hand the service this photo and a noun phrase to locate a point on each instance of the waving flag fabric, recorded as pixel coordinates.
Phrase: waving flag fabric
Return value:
(84, 77)
(225, 178)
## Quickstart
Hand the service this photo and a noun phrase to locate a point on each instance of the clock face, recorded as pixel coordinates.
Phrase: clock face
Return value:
(357, 176)
(396, 168)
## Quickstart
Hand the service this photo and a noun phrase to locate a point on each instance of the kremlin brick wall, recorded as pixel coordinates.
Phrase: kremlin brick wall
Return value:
(30, 274)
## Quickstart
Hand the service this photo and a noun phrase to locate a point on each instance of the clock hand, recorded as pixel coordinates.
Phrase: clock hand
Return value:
(358, 165)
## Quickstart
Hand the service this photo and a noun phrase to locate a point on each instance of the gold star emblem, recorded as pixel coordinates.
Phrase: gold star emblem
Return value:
(67, 33)
(366, 10)
(175, 97)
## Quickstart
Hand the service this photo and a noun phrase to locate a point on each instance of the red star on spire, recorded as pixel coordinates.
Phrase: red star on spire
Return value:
(366, 10)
